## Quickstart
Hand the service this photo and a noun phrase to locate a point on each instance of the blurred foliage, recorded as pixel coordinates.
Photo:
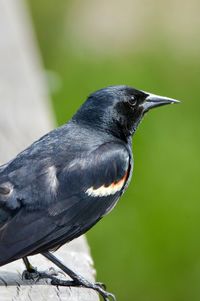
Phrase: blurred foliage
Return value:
(148, 247)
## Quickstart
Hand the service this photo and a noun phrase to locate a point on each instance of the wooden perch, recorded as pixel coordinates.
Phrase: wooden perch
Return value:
(25, 115)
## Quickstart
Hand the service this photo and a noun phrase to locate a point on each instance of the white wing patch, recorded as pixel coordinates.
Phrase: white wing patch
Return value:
(52, 179)
(107, 190)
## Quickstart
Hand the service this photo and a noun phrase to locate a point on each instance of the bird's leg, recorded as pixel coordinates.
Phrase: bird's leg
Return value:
(28, 265)
(32, 273)
(77, 280)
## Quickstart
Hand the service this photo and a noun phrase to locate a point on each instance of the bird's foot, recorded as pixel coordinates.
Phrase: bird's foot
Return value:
(98, 287)
(101, 284)
(34, 274)
(30, 274)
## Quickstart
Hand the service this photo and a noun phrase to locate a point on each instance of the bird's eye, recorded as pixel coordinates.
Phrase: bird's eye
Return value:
(132, 100)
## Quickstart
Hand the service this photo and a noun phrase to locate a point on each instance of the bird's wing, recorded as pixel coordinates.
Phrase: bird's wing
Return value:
(79, 194)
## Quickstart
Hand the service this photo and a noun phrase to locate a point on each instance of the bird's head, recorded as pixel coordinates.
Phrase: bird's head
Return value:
(118, 109)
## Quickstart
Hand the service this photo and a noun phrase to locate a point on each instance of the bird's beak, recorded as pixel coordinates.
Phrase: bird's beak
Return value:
(153, 101)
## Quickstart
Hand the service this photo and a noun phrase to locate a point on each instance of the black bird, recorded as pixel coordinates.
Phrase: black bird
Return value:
(64, 183)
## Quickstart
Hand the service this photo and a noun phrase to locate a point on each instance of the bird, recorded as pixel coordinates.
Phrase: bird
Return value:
(68, 180)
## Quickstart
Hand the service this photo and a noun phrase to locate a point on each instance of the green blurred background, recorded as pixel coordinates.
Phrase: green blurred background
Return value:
(148, 248)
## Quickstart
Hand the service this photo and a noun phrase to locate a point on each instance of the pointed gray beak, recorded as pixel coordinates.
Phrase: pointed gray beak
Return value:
(153, 101)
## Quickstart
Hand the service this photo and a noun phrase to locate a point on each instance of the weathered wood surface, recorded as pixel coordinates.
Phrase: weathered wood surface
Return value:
(25, 115)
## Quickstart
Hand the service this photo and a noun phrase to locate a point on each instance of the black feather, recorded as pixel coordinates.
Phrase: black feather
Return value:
(55, 219)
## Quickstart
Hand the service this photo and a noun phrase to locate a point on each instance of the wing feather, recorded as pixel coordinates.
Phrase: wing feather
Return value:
(42, 220)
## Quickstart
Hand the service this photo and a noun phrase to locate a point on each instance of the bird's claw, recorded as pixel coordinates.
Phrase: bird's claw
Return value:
(98, 287)
(101, 284)
(36, 275)
(53, 272)
(110, 297)
(105, 295)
